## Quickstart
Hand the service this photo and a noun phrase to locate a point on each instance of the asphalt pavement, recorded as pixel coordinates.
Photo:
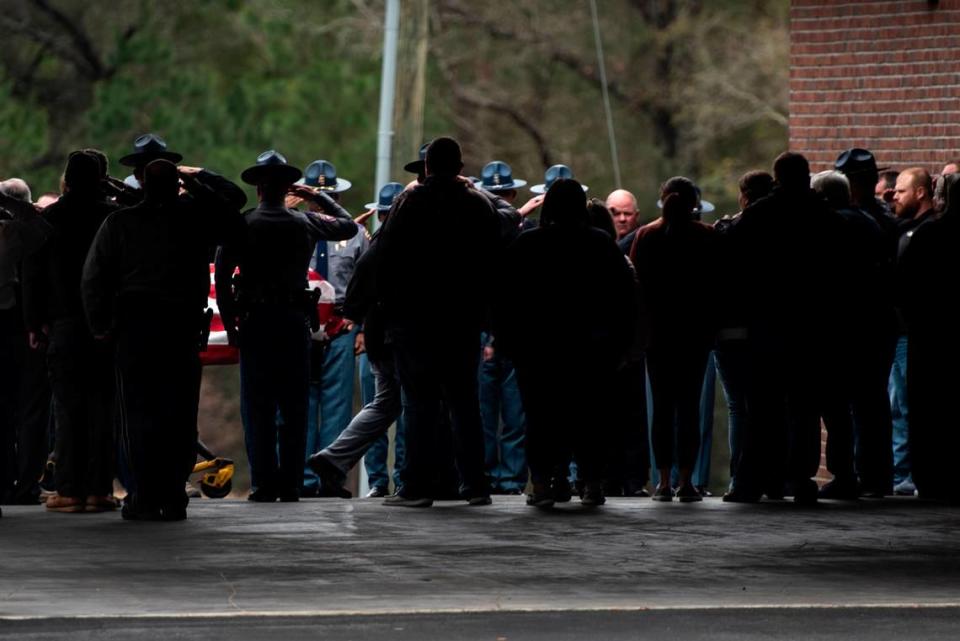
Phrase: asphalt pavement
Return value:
(633, 569)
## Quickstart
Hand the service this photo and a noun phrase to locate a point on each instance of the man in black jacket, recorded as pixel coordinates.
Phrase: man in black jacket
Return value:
(145, 286)
(81, 369)
(271, 321)
(442, 237)
(788, 242)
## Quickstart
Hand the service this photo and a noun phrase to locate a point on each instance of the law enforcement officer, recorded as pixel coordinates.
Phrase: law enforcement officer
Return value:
(504, 423)
(145, 285)
(267, 313)
(333, 363)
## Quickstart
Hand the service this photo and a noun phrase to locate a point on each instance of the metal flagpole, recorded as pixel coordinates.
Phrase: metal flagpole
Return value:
(388, 83)
(606, 94)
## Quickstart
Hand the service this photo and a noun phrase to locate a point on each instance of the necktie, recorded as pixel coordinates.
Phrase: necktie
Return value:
(321, 266)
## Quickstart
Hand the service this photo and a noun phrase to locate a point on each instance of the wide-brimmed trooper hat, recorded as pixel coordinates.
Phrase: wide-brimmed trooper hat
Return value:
(551, 176)
(271, 166)
(856, 161)
(322, 175)
(147, 148)
(418, 166)
(388, 193)
(497, 176)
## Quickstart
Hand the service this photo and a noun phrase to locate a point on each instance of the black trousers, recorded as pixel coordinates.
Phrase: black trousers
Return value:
(781, 443)
(856, 411)
(676, 380)
(158, 390)
(24, 412)
(934, 434)
(82, 379)
(274, 371)
(434, 369)
(567, 398)
(629, 451)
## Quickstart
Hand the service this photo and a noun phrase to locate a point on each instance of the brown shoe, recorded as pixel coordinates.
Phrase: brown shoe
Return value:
(101, 503)
(57, 503)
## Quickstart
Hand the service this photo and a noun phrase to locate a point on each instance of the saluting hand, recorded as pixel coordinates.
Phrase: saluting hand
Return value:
(531, 206)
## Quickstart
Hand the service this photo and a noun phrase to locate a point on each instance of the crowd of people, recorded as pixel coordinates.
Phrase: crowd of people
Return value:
(514, 356)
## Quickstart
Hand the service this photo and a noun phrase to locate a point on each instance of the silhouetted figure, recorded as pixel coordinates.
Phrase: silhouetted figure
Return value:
(80, 368)
(268, 312)
(875, 337)
(145, 286)
(929, 268)
(627, 458)
(786, 242)
(673, 256)
(371, 424)
(856, 365)
(437, 253)
(24, 395)
(731, 353)
(566, 331)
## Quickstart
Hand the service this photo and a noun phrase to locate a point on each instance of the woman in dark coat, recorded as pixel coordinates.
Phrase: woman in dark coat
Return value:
(565, 317)
(674, 257)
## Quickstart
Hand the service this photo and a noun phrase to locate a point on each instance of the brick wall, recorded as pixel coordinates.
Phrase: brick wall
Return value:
(884, 75)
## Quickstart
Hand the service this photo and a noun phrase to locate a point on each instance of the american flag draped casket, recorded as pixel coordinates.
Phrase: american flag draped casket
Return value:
(220, 352)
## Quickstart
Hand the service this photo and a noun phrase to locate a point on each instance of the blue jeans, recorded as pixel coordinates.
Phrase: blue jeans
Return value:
(331, 399)
(375, 460)
(732, 366)
(504, 454)
(900, 412)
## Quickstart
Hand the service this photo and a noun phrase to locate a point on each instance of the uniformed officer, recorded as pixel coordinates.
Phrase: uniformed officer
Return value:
(334, 363)
(145, 286)
(267, 310)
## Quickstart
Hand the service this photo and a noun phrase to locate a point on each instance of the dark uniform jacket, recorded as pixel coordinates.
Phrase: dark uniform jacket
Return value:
(273, 252)
(160, 252)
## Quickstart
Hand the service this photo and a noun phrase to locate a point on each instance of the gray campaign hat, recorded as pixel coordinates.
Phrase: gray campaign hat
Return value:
(497, 176)
(322, 175)
(552, 175)
(388, 193)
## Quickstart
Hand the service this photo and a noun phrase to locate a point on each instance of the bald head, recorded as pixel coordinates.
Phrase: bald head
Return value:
(623, 207)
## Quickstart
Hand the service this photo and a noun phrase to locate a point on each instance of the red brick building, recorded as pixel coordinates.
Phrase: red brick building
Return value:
(880, 74)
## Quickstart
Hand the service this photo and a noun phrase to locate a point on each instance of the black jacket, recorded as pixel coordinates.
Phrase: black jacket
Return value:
(159, 252)
(436, 258)
(550, 304)
(51, 278)
(789, 243)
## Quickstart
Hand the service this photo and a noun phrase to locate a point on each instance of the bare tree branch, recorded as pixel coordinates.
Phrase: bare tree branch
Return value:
(81, 41)
(501, 107)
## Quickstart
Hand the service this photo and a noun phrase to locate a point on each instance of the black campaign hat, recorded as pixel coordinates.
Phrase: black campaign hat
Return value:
(388, 193)
(856, 161)
(322, 175)
(551, 176)
(149, 147)
(271, 166)
(497, 176)
(418, 166)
